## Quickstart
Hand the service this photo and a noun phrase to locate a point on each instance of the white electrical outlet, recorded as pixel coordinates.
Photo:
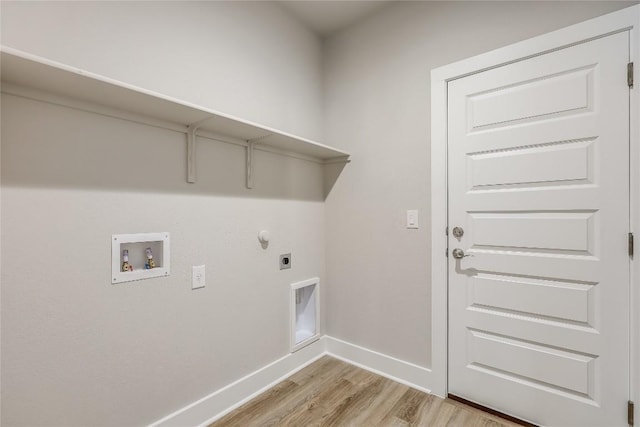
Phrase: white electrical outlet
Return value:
(197, 277)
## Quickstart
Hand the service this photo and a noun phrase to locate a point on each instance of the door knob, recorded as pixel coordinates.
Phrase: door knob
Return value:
(458, 253)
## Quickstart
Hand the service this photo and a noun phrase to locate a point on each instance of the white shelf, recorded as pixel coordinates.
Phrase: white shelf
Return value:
(23, 70)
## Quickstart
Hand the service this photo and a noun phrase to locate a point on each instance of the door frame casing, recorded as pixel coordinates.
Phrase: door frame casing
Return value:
(627, 19)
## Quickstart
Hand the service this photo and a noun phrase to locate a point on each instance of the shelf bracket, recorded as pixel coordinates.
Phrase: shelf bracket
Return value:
(250, 145)
(191, 149)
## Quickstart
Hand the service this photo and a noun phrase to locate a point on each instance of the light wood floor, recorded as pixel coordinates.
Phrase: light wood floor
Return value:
(330, 392)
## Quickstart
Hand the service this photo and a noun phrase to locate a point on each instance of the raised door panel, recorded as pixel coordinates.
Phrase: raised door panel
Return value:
(539, 181)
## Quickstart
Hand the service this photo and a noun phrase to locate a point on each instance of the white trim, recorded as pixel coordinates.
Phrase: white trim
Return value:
(439, 203)
(625, 19)
(236, 394)
(601, 26)
(397, 370)
(634, 134)
(293, 326)
(230, 397)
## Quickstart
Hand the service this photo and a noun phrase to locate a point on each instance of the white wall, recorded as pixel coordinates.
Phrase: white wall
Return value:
(77, 350)
(377, 106)
(240, 58)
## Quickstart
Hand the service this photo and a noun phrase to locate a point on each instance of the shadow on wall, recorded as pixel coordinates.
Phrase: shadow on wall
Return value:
(47, 145)
(332, 172)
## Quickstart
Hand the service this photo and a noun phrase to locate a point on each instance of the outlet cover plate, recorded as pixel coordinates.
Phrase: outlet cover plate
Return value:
(285, 261)
(198, 277)
(412, 218)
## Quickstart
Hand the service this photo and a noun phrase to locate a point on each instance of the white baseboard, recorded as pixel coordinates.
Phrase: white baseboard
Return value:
(397, 370)
(221, 402)
(228, 398)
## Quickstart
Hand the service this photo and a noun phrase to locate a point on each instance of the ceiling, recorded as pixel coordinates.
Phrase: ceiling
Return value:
(328, 17)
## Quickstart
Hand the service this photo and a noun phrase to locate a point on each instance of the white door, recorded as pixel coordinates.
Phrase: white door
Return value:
(538, 155)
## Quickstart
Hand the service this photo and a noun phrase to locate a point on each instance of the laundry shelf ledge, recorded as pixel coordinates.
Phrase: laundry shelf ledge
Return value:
(25, 70)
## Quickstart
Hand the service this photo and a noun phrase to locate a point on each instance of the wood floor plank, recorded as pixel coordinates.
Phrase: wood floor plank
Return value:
(253, 409)
(444, 414)
(330, 392)
(487, 418)
(312, 383)
(353, 405)
(410, 406)
(430, 414)
(256, 412)
(313, 410)
(382, 405)
(461, 418)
